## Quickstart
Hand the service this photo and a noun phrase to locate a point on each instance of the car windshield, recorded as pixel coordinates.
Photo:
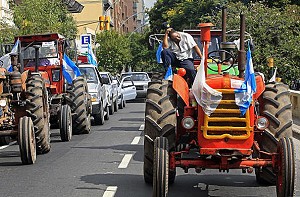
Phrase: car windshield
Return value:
(46, 49)
(89, 74)
(136, 77)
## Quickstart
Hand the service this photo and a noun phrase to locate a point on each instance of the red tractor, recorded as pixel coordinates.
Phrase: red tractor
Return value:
(178, 132)
(70, 103)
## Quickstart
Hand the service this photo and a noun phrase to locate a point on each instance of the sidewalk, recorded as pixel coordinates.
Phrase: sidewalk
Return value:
(296, 128)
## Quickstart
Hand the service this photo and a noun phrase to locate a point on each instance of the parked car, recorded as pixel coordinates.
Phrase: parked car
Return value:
(140, 80)
(99, 96)
(126, 90)
(112, 89)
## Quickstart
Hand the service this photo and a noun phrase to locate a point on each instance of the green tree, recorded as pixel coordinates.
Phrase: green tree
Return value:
(143, 59)
(44, 16)
(114, 51)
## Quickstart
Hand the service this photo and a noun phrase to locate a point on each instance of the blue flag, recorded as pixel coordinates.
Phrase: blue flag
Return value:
(158, 53)
(91, 56)
(243, 95)
(169, 74)
(70, 70)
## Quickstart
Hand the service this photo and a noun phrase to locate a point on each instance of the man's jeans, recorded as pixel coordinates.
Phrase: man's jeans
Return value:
(169, 58)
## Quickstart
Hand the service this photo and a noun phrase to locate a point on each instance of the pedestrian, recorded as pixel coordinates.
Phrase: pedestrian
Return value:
(178, 52)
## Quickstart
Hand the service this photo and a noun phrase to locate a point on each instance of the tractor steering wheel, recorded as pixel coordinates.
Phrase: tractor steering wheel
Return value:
(217, 59)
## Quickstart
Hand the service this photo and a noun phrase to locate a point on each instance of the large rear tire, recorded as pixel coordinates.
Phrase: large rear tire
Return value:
(160, 167)
(111, 108)
(106, 116)
(287, 183)
(80, 106)
(65, 123)
(37, 108)
(160, 121)
(277, 108)
(26, 140)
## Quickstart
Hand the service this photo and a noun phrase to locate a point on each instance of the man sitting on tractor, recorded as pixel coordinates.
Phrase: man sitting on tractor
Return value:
(178, 52)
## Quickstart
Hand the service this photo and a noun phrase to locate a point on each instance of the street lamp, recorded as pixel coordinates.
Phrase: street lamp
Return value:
(124, 21)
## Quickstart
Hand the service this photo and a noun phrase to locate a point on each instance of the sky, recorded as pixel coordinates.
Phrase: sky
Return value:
(149, 3)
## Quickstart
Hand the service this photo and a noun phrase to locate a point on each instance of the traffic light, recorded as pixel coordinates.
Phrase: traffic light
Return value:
(107, 23)
(102, 22)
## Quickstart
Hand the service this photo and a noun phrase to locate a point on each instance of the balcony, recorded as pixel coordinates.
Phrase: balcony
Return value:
(73, 6)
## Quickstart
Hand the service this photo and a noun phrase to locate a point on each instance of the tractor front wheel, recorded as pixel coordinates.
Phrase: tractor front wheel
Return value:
(65, 123)
(26, 140)
(287, 183)
(160, 167)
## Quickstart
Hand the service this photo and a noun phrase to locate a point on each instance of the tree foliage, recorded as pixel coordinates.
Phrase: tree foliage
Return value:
(114, 51)
(143, 58)
(44, 16)
(274, 26)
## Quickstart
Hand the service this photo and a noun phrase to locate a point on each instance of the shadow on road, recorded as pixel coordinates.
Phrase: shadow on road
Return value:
(185, 185)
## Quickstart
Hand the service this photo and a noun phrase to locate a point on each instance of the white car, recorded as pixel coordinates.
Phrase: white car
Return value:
(126, 91)
(99, 97)
(140, 80)
(112, 89)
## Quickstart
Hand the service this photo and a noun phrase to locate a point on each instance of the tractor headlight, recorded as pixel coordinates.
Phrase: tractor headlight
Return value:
(2, 103)
(262, 123)
(188, 122)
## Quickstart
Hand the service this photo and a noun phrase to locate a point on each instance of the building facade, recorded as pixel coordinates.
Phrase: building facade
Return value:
(6, 15)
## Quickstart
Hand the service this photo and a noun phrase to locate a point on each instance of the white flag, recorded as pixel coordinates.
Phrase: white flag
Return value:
(273, 78)
(205, 96)
(5, 61)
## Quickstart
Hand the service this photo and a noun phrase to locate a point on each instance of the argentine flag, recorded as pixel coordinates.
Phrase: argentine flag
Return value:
(5, 60)
(158, 53)
(243, 95)
(70, 70)
(169, 74)
(91, 56)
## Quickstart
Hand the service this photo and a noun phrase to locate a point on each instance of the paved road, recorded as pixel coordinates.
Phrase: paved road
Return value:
(108, 162)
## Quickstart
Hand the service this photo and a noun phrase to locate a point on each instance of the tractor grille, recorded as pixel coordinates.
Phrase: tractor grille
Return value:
(226, 121)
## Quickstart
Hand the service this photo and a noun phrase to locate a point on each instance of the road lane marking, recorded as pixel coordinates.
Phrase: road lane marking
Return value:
(142, 127)
(12, 143)
(125, 161)
(136, 140)
(110, 191)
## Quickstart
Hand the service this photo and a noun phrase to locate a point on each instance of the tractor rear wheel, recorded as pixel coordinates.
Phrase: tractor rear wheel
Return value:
(160, 121)
(80, 106)
(37, 108)
(287, 183)
(26, 141)
(157, 76)
(277, 108)
(65, 123)
(160, 167)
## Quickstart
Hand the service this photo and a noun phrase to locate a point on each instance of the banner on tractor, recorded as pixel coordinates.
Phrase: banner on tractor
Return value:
(207, 97)
(243, 95)
(70, 70)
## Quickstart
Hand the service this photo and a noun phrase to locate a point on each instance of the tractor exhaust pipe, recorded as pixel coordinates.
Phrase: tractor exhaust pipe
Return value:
(36, 58)
(242, 52)
(224, 22)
